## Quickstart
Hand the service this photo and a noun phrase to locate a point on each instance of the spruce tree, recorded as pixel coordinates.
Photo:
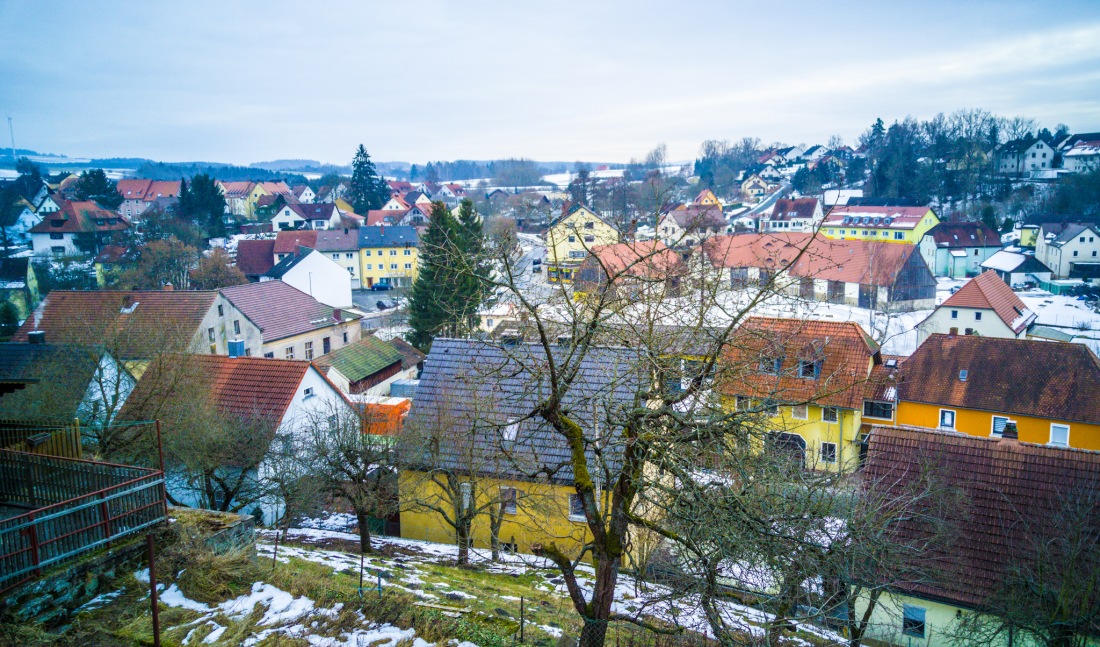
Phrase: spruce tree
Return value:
(367, 190)
(432, 305)
(203, 204)
(473, 265)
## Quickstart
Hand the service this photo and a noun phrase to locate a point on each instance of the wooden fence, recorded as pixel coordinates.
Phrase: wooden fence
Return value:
(74, 506)
(33, 437)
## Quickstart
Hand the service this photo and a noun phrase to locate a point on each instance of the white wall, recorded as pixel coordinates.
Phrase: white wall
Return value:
(322, 278)
(940, 321)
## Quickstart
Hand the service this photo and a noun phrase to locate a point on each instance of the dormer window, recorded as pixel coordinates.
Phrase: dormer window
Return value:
(963, 374)
(810, 368)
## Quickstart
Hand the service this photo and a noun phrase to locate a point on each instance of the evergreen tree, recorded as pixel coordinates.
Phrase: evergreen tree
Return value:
(473, 265)
(96, 186)
(203, 204)
(367, 190)
(431, 307)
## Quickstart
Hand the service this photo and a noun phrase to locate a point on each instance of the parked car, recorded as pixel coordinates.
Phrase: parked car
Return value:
(537, 261)
(381, 287)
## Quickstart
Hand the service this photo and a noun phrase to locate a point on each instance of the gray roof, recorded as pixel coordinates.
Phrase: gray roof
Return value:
(493, 389)
(388, 236)
(1065, 231)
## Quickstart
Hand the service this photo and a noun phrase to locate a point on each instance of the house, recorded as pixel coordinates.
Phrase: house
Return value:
(884, 222)
(139, 194)
(815, 384)
(412, 360)
(631, 271)
(474, 416)
(1017, 269)
(798, 214)
(306, 216)
(570, 238)
(755, 187)
(77, 228)
(315, 274)
(112, 262)
(255, 257)
(985, 306)
(388, 255)
(1021, 157)
(63, 382)
(813, 153)
(18, 285)
(237, 196)
(861, 273)
(1017, 494)
(19, 222)
(342, 246)
(291, 323)
(958, 249)
(975, 385)
(417, 216)
(330, 194)
(396, 203)
(303, 193)
(688, 226)
(1070, 249)
(272, 398)
(367, 366)
(138, 325)
(1083, 157)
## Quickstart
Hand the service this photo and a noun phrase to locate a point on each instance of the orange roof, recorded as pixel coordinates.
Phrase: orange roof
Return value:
(646, 259)
(236, 189)
(989, 292)
(845, 352)
(384, 418)
(80, 217)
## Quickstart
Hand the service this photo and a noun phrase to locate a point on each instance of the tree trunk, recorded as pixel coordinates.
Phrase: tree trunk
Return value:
(593, 633)
(364, 531)
(462, 540)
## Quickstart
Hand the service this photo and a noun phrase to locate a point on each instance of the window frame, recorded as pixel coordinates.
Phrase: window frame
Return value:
(1061, 425)
(836, 415)
(824, 455)
(873, 413)
(580, 518)
(911, 625)
(805, 411)
(954, 420)
(993, 426)
(509, 498)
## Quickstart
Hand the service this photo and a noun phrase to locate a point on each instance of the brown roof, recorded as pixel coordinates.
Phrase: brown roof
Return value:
(988, 291)
(850, 261)
(288, 242)
(1011, 489)
(957, 235)
(256, 257)
(133, 324)
(1049, 380)
(800, 208)
(377, 217)
(410, 355)
(280, 310)
(337, 240)
(695, 217)
(237, 189)
(845, 351)
(80, 217)
(321, 211)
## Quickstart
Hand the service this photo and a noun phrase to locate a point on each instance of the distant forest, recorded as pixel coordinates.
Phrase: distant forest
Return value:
(226, 172)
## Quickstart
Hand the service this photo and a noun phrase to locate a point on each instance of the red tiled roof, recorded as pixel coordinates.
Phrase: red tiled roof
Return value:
(237, 189)
(988, 291)
(957, 235)
(131, 324)
(845, 350)
(1055, 381)
(1013, 492)
(80, 217)
(256, 257)
(647, 259)
(276, 188)
(281, 310)
(133, 189)
(288, 242)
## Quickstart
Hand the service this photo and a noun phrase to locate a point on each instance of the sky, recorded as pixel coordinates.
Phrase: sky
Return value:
(241, 81)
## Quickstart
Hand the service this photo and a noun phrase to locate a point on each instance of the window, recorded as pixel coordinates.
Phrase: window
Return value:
(589, 225)
(393, 266)
(308, 393)
(773, 365)
(800, 412)
(408, 266)
(878, 409)
(954, 314)
(828, 452)
(345, 338)
(349, 255)
(393, 252)
(809, 368)
(576, 508)
(572, 239)
(270, 355)
(947, 419)
(366, 253)
(591, 239)
(221, 311)
(999, 423)
(899, 235)
(977, 316)
(56, 236)
(236, 326)
(309, 350)
(335, 257)
(289, 352)
(210, 334)
(369, 266)
(830, 414)
(510, 430)
(771, 409)
(742, 403)
(1075, 252)
(508, 499)
(912, 621)
(1059, 435)
(578, 254)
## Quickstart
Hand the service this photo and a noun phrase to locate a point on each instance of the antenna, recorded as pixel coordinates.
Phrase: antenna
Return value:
(12, 133)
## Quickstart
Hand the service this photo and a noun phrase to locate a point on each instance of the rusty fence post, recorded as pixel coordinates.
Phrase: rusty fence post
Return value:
(153, 590)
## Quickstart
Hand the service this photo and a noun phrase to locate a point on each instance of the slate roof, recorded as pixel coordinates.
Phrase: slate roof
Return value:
(256, 257)
(479, 390)
(280, 310)
(845, 351)
(341, 239)
(989, 292)
(698, 217)
(1010, 488)
(135, 324)
(288, 263)
(788, 209)
(1015, 376)
(959, 235)
(319, 211)
(410, 355)
(388, 236)
(362, 359)
(56, 377)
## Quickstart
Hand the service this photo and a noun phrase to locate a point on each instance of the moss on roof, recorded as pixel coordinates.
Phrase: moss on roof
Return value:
(362, 359)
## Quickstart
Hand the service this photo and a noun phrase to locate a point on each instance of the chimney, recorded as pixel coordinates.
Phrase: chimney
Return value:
(337, 314)
(1009, 432)
(168, 287)
(37, 337)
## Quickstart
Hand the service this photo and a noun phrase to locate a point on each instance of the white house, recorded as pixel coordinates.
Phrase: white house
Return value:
(1023, 156)
(1069, 249)
(958, 249)
(315, 274)
(76, 228)
(1083, 157)
(303, 193)
(801, 214)
(21, 223)
(985, 306)
(1015, 268)
(306, 216)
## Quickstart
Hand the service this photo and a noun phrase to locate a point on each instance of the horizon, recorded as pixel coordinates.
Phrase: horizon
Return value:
(434, 81)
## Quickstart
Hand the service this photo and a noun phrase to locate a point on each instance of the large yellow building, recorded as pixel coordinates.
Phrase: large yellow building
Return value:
(571, 237)
(976, 385)
(905, 225)
(388, 256)
(813, 384)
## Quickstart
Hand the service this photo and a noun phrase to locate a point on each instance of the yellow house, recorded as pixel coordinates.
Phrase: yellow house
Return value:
(707, 198)
(471, 434)
(815, 384)
(1016, 495)
(571, 237)
(977, 385)
(388, 256)
(884, 224)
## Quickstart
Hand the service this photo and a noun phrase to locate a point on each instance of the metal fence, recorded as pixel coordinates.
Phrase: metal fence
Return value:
(74, 506)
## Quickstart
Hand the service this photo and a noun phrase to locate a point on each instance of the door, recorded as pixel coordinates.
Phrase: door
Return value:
(868, 296)
(326, 345)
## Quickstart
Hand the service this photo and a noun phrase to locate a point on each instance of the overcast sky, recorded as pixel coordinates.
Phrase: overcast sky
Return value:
(601, 81)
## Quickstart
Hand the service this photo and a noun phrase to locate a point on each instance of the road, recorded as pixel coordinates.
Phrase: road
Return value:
(766, 205)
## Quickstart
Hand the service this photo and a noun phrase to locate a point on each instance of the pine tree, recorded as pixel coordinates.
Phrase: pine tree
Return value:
(434, 295)
(367, 189)
(96, 186)
(473, 266)
(203, 204)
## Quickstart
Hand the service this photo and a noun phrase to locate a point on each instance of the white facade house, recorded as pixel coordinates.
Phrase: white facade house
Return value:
(801, 214)
(306, 216)
(1017, 269)
(1083, 157)
(18, 232)
(1024, 156)
(315, 274)
(1070, 250)
(985, 306)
